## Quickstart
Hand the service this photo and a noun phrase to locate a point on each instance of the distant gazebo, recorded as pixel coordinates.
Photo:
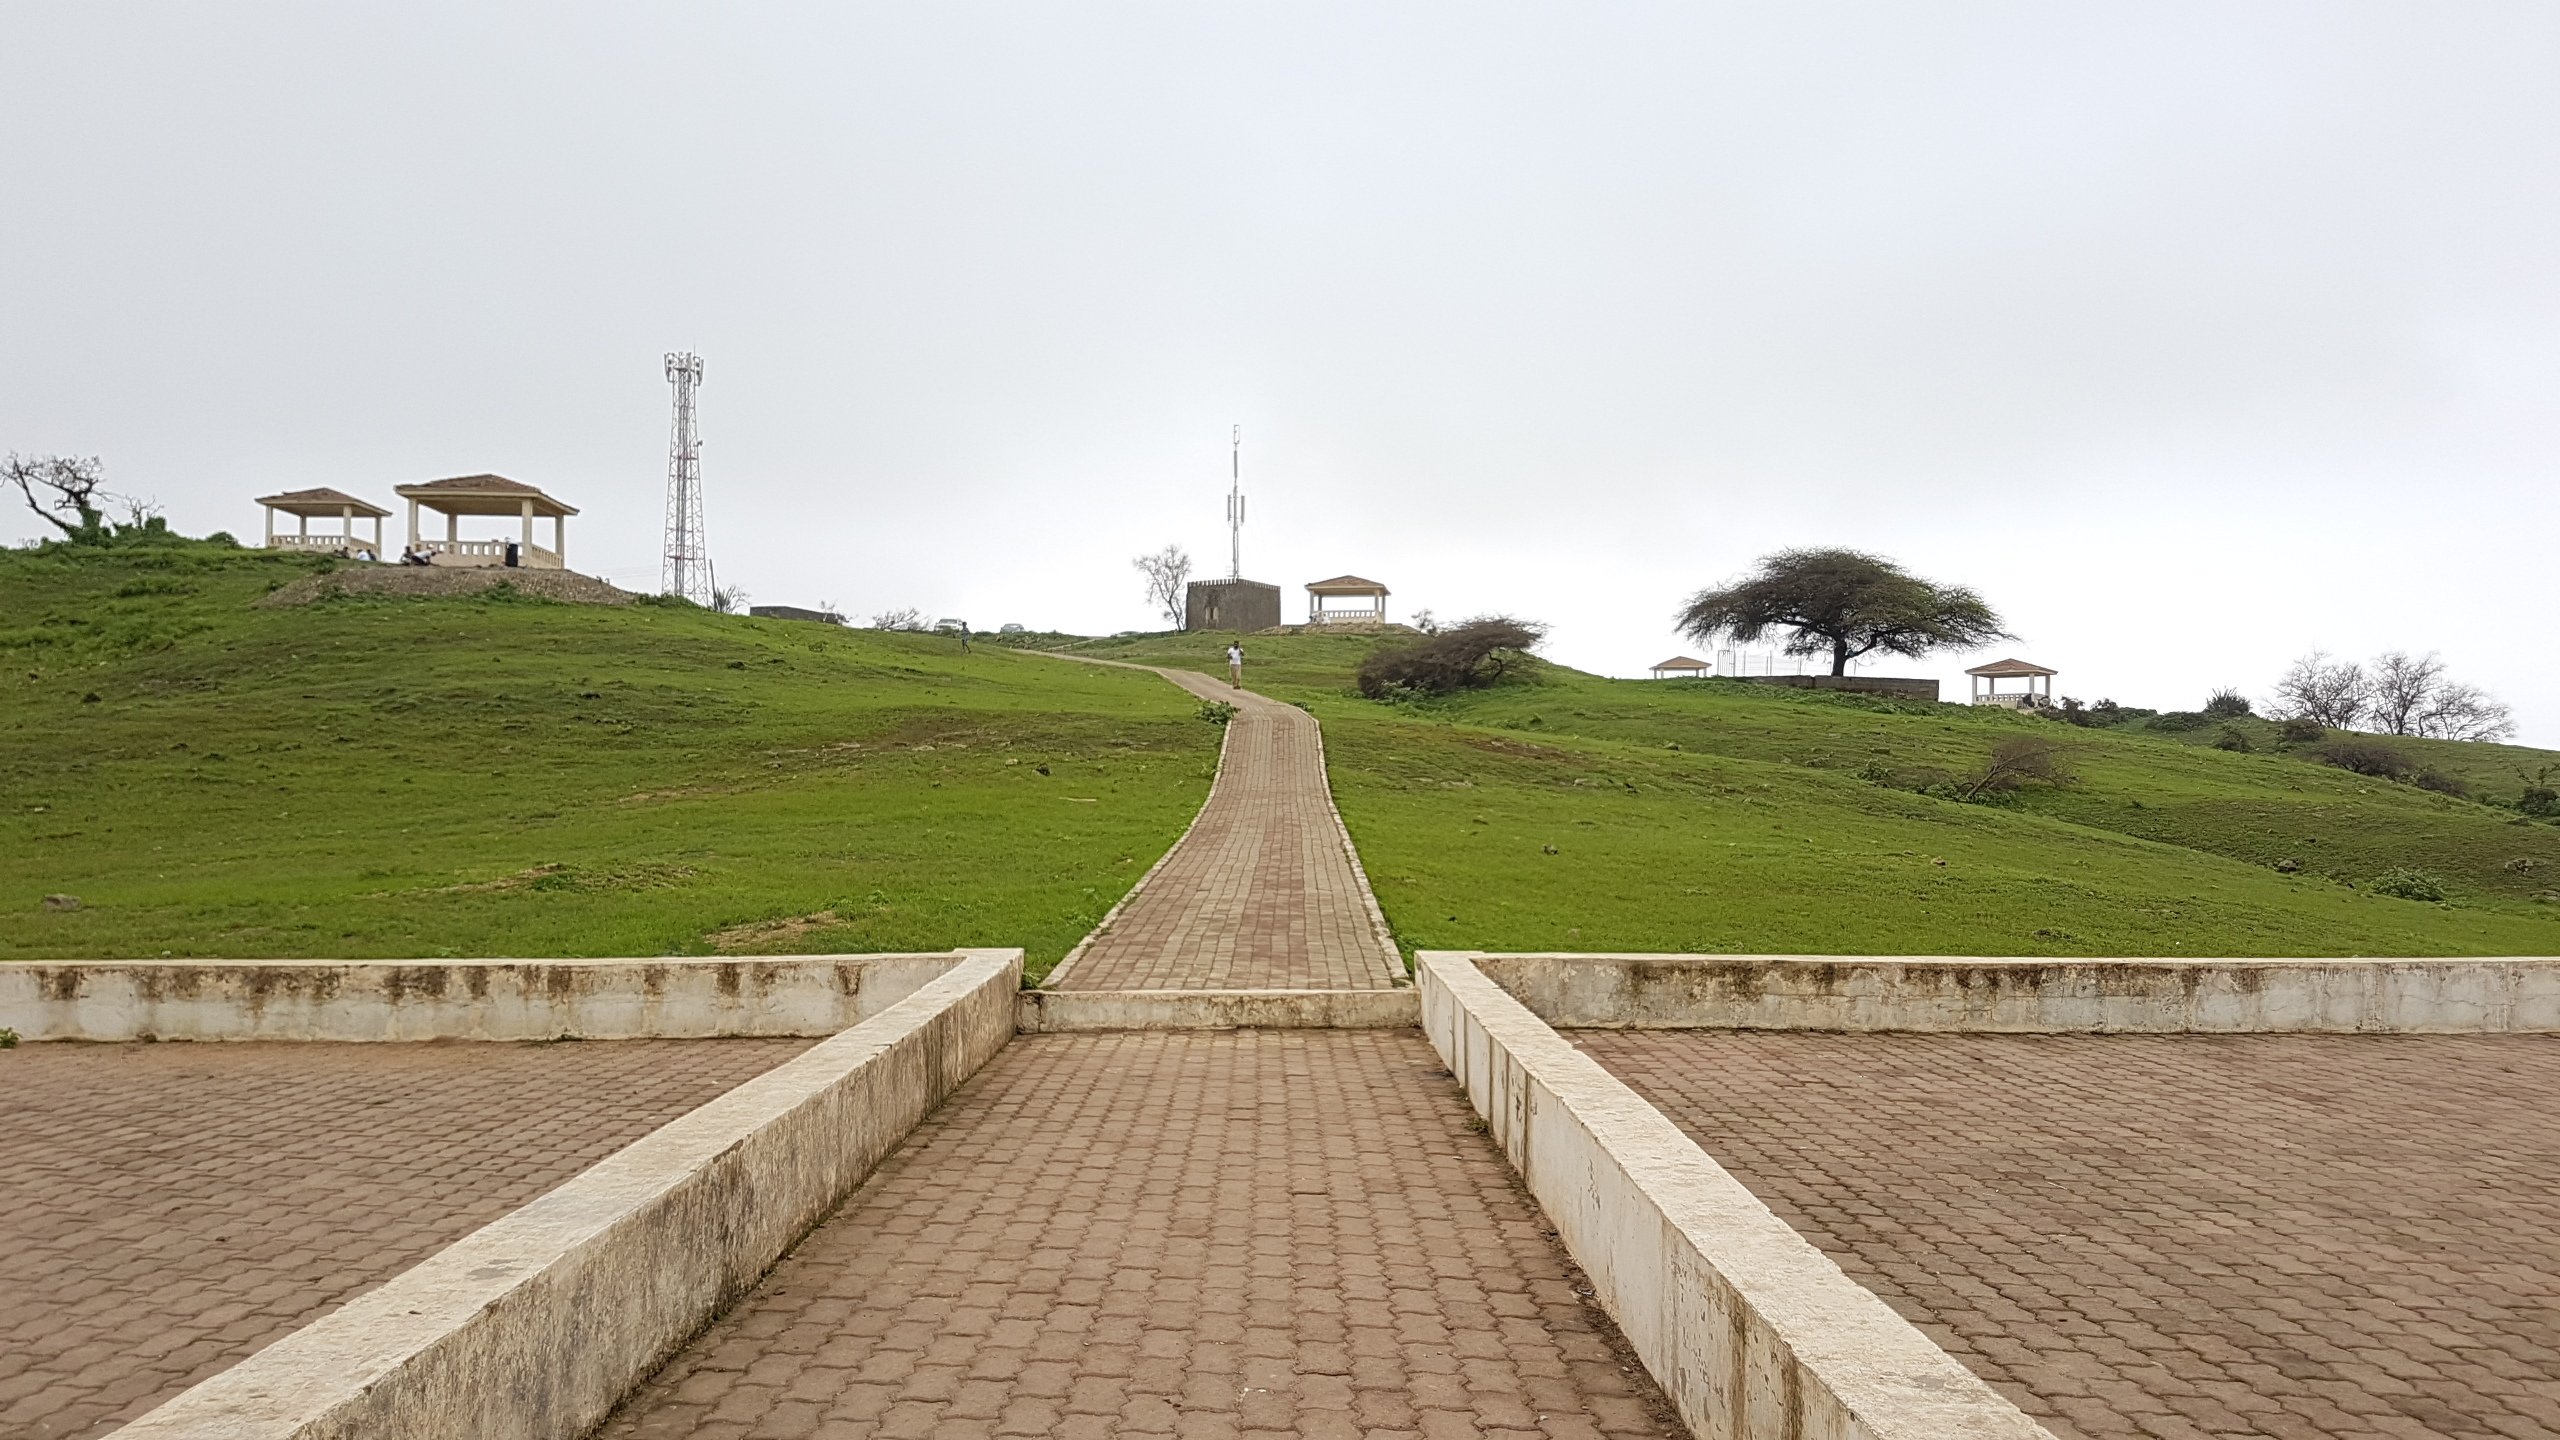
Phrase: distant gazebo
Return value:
(327, 504)
(2034, 688)
(1364, 602)
(486, 495)
(1680, 667)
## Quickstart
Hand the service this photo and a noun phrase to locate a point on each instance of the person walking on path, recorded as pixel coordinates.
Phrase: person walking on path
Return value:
(964, 637)
(1235, 663)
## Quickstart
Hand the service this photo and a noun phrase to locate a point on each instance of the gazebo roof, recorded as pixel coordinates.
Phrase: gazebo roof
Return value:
(2002, 669)
(322, 501)
(1684, 662)
(1346, 585)
(482, 495)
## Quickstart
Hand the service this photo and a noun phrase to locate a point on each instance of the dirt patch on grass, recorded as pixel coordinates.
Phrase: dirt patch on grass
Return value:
(764, 934)
(1518, 749)
(646, 875)
(427, 582)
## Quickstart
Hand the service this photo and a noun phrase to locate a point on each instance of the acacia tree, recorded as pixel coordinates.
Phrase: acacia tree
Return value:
(1844, 603)
(1167, 570)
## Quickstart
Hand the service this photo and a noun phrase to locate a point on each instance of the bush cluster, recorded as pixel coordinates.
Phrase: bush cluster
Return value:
(2366, 755)
(2098, 716)
(1461, 657)
(2406, 884)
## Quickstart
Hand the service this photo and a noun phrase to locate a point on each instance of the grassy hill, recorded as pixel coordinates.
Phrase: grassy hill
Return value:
(1723, 816)
(500, 776)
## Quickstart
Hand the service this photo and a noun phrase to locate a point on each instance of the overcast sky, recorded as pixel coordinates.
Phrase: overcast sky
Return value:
(2193, 336)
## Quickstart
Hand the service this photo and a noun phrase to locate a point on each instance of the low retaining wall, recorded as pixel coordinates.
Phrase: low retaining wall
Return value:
(1897, 688)
(453, 999)
(535, 1326)
(1052, 1011)
(1752, 1333)
(1793, 992)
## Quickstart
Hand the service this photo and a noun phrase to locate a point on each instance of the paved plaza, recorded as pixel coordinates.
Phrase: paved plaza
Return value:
(2152, 1237)
(167, 1209)
(1263, 893)
(1258, 1233)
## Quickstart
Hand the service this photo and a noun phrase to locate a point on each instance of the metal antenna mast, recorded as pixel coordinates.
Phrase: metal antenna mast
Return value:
(688, 566)
(1235, 507)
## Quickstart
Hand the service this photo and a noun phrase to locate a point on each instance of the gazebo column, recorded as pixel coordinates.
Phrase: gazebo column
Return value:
(528, 525)
(413, 525)
(560, 539)
(271, 525)
(347, 523)
(453, 529)
(302, 524)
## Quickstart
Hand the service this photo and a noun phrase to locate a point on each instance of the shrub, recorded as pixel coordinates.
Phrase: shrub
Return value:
(2227, 704)
(1476, 653)
(2366, 755)
(2406, 884)
(2179, 722)
(2539, 801)
(2015, 763)
(2233, 739)
(1216, 712)
(2443, 784)
(2300, 730)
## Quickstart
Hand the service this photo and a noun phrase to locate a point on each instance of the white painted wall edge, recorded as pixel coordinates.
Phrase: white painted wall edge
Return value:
(2493, 995)
(1057, 1011)
(1752, 1332)
(535, 1326)
(366, 1000)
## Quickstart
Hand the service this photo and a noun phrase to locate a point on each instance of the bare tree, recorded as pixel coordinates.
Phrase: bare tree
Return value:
(728, 599)
(75, 495)
(909, 618)
(1167, 570)
(2333, 693)
(2397, 694)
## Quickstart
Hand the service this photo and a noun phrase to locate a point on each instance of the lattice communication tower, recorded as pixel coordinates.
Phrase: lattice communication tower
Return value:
(688, 564)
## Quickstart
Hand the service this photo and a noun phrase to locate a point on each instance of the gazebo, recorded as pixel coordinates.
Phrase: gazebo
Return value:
(324, 503)
(1369, 597)
(486, 495)
(1682, 667)
(2035, 684)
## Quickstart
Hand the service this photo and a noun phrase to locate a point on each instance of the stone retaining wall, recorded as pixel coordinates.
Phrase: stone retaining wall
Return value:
(535, 1326)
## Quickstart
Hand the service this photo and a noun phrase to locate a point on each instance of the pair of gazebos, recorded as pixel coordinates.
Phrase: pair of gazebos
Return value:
(474, 495)
(2035, 682)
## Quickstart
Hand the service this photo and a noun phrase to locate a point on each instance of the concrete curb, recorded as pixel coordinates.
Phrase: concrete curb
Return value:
(2034, 996)
(535, 1326)
(1752, 1333)
(122, 1000)
(1049, 1012)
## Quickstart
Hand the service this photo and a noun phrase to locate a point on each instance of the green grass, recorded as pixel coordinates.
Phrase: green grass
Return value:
(491, 777)
(501, 776)
(1721, 816)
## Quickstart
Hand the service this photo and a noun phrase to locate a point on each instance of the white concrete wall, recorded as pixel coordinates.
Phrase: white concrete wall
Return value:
(1752, 1332)
(2022, 996)
(117, 1000)
(1055, 1011)
(535, 1326)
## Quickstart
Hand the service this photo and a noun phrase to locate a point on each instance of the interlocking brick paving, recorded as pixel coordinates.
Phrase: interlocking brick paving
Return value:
(167, 1209)
(2167, 1236)
(1257, 1233)
(1262, 893)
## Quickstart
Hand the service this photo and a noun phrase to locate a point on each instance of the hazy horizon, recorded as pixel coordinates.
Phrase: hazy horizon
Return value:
(2193, 337)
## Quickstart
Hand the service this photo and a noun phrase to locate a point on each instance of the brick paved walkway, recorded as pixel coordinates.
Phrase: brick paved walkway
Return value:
(1263, 893)
(167, 1209)
(2151, 1237)
(1258, 1233)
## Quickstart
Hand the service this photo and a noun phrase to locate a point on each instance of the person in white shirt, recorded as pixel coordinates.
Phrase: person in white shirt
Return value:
(1235, 663)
